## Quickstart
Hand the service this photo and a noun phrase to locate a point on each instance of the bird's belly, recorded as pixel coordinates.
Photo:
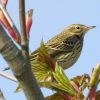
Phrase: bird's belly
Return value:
(66, 60)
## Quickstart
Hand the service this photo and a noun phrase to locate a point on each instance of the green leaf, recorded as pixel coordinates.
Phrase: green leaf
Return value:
(41, 63)
(60, 82)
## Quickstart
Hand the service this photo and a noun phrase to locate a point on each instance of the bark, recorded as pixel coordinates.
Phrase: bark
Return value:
(20, 66)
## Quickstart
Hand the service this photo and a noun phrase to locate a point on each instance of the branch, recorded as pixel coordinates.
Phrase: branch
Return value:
(20, 66)
(8, 76)
(2, 96)
(24, 41)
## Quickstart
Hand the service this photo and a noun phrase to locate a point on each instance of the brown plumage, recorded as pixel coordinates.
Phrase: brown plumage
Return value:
(66, 47)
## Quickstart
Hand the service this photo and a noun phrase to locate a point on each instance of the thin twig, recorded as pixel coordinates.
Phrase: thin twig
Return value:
(24, 41)
(2, 96)
(8, 76)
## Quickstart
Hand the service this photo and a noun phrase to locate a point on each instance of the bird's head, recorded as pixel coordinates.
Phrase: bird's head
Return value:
(79, 29)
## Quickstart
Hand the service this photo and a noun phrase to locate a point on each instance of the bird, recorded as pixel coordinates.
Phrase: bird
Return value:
(65, 48)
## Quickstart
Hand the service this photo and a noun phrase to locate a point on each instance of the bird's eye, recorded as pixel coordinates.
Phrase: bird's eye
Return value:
(77, 27)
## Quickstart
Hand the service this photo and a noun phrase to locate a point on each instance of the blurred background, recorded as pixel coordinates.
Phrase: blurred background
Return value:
(50, 17)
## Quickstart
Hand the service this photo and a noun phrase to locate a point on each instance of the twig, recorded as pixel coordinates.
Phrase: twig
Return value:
(24, 41)
(9, 19)
(2, 96)
(8, 76)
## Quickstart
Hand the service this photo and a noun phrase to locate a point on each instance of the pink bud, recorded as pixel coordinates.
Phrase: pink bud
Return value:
(28, 22)
(6, 24)
(4, 2)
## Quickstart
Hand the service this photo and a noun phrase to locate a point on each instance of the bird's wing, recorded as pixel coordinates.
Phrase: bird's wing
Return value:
(56, 46)
(64, 45)
(67, 45)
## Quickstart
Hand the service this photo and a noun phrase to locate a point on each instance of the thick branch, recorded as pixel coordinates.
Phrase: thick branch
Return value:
(20, 66)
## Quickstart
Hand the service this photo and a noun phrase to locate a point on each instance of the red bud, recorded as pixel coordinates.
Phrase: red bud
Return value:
(92, 95)
(4, 2)
(6, 24)
(28, 22)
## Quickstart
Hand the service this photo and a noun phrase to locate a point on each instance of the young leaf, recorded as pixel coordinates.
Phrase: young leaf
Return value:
(60, 82)
(94, 80)
(42, 63)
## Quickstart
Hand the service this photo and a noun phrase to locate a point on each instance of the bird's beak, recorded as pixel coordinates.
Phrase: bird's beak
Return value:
(90, 27)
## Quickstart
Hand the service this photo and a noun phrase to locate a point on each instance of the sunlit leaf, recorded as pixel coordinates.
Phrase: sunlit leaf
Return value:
(94, 80)
(60, 82)
(42, 63)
